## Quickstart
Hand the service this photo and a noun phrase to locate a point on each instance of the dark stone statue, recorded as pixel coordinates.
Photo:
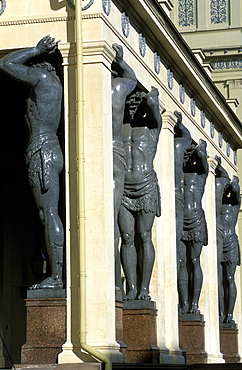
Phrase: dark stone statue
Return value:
(43, 154)
(123, 83)
(194, 235)
(221, 180)
(182, 139)
(141, 197)
(231, 250)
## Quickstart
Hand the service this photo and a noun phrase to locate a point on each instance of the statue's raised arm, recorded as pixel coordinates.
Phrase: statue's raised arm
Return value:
(201, 150)
(180, 130)
(236, 189)
(152, 105)
(220, 171)
(13, 64)
(120, 68)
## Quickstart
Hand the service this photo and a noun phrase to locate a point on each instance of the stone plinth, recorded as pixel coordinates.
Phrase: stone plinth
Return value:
(191, 336)
(46, 328)
(81, 366)
(229, 343)
(139, 331)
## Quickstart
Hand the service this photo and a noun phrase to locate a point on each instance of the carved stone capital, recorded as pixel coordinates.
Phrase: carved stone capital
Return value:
(68, 52)
(168, 121)
(97, 51)
(212, 165)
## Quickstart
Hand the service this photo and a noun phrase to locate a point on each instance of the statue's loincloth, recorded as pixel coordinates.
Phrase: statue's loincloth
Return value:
(119, 153)
(143, 196)
(39, 159)
(231, 250)
(195, 228)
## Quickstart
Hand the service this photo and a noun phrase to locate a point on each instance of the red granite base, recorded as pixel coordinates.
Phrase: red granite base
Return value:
(46, 330)
(229, 344)
(139, 333)
(191, 337)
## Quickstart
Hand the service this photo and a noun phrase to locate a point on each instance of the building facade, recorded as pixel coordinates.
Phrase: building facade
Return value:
(157, 53)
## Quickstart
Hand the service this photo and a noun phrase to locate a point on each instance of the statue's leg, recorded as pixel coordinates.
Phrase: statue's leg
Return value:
(179, 229)
(118, 183)
(220, 274)
(182, 276)
(232, 290)
(220, 291)
(144, 223)
(47, 203)
(128, 251)
(196, 249)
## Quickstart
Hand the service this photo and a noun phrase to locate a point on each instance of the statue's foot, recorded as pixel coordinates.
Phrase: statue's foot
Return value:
(221, 318)
(184, 308)
(144, 295)
(194, 308)
(49, 283)
(229, 319)
(131, 295)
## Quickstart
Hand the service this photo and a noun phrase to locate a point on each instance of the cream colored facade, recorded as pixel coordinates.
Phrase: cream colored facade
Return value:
(158, 55)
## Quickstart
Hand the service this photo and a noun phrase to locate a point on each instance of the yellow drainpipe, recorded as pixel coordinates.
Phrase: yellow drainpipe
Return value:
(81, 190)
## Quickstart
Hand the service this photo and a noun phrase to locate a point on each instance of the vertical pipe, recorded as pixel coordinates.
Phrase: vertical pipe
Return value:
(81, 189)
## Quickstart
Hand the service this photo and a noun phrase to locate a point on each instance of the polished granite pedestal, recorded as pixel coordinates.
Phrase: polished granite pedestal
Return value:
(46, 326)
(191, 338)
(229, 343)
(139, 331)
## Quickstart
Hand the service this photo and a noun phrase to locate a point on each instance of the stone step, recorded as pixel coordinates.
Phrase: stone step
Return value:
(149, 366)
(81, 366)
(225, 366)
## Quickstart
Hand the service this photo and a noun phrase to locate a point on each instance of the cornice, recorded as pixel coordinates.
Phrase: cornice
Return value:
(20, 22)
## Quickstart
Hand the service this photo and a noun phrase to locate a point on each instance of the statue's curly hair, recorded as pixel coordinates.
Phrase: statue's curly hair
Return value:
(189, 153)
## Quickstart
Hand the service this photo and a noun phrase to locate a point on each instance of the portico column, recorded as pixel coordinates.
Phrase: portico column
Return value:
(209, 295)
(71, 350)
(164, 236)
(100, 283)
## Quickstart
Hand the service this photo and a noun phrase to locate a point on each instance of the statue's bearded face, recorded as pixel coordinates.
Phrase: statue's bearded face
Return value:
(44, 65)
(189, 155)
(133, 102)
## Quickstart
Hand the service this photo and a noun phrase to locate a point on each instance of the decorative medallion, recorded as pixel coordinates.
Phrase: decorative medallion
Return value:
(185, 12)
(220, 139)
(125, 24)
(3, 6)
(106, 6)
(193, 107)
(157, 62)
(170, 79)
(212, 130)
(142, 45)
(218, 10)
(87, 4)
(182, 94)
(203, 118)
(228, 149)
(235, 158)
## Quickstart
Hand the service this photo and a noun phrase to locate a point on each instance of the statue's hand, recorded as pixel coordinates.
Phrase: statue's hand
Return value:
(151, 96)
(218, 159)
(47, 45)
(179, 117)
(119, 52)
(235, 180)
